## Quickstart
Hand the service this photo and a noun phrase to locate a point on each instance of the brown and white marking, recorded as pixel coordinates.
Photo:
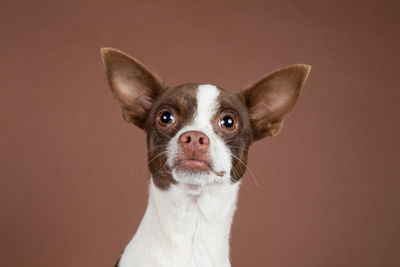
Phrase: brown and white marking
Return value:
(198, 136)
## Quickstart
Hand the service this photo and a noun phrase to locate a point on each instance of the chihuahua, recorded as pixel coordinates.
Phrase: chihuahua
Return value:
(198, 136)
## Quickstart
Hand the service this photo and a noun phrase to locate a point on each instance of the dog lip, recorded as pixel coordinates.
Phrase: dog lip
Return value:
(193, 165)
(197, 165)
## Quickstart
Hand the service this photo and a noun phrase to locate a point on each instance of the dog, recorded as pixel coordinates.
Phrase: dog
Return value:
(198, 136)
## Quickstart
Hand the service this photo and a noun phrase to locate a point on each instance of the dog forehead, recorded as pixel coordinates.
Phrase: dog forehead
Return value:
(189, 99)
(182, 98)
(207, 103)
(201, 102)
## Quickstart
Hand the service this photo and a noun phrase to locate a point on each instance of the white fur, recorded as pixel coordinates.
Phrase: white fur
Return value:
(220, 154)
(188, 224)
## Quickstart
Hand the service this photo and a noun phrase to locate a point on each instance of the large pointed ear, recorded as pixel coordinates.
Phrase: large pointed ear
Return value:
(132, 84)
(272, 98)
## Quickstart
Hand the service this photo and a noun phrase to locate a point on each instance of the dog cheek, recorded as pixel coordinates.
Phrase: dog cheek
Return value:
(158, 161)
(237, 170)
(160, 173)
(239, 161)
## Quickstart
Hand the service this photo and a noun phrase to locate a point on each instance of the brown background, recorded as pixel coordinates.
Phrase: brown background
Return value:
(73, 174)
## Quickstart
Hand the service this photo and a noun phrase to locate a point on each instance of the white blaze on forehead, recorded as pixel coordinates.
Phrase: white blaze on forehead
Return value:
(207, 104)
(220, 155)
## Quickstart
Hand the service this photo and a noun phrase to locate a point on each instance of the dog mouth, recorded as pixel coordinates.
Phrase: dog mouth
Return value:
(196, 166)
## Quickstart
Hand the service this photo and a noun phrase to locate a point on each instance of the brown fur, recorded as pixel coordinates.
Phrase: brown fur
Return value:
(240, 140)
(144, 86)
(259, 110)
(272, 98)
(181, 100)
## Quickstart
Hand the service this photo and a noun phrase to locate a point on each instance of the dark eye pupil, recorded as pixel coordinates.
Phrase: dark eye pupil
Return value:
(166, 117)
(227, 122)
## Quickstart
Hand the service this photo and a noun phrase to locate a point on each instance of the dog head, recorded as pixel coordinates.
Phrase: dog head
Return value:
(199, 134)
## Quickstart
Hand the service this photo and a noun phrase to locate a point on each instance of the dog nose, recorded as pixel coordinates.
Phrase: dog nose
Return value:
(194, 141)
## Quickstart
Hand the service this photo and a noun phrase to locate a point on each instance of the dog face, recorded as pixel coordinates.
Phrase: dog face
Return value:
(199, 134)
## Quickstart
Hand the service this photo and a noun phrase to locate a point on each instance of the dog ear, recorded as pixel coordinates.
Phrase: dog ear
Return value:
(132, 84)
(272, 98)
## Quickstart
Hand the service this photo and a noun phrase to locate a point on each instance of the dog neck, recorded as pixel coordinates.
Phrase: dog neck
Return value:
(184, 226)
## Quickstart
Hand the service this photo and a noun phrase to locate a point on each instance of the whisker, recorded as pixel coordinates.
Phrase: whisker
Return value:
(157, 147)
(165, 165)
(236, 139)
(162, 153)
(237, 173)
(241, 148)
(251, 173)
(169, 137)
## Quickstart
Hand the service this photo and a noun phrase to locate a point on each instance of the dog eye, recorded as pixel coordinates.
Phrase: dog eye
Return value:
(166, 118)
(227, 122)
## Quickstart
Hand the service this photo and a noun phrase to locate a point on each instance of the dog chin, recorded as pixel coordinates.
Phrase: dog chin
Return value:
(189, 177)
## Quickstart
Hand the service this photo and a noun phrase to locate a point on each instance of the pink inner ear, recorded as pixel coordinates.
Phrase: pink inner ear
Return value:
(280, 96)
(132, 84)
(273, 97)
(131, 93)
(274, 103)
